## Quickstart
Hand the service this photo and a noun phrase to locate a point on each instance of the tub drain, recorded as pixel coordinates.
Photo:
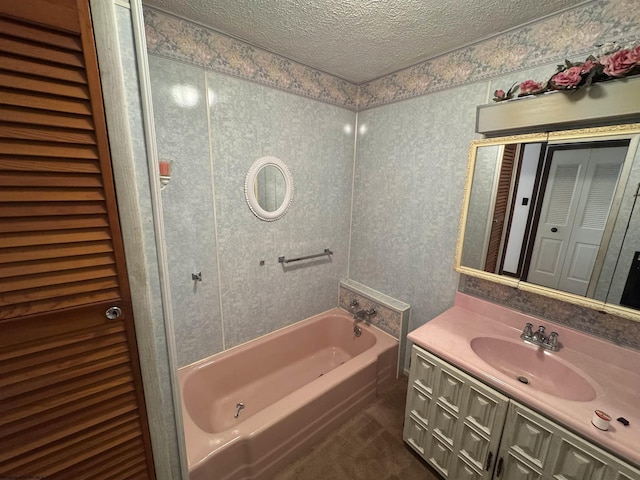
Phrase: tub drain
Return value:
(522, 379)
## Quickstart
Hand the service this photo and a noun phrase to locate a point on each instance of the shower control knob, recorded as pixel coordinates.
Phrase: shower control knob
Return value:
(113, 312)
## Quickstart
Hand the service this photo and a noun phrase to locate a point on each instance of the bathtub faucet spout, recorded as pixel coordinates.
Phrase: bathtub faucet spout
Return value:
(362, 315)
(239, 406)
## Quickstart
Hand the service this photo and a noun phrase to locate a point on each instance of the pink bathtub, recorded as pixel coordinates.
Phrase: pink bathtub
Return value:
(296, 385)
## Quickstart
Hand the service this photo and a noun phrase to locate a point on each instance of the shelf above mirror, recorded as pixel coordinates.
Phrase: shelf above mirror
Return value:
(606, 103)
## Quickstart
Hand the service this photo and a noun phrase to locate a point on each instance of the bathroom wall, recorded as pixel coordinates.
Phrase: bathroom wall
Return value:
(409, 179)
(212, 127)
(220, 104)
(415, 127)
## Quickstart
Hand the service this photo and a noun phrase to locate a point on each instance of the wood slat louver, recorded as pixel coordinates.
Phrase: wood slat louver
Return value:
(57, 117)
(70, 385)
(500, 207)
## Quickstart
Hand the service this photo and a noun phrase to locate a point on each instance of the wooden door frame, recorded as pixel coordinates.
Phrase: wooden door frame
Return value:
(151, 306)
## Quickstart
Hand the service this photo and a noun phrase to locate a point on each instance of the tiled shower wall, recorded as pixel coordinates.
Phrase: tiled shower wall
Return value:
(414, 130)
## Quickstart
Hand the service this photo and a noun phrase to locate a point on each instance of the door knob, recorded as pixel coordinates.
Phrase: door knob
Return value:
(113, 312)
(554, 229)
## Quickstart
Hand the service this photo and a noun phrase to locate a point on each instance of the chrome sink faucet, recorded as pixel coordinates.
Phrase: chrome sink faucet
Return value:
(539, 338)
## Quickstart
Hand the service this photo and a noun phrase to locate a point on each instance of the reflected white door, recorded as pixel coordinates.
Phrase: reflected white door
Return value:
(574, 212)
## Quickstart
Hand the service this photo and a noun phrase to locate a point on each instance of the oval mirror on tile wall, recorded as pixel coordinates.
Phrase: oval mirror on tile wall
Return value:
(556, 214)
(268, 188)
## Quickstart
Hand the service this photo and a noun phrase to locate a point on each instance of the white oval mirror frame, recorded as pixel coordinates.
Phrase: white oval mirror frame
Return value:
(250, 192)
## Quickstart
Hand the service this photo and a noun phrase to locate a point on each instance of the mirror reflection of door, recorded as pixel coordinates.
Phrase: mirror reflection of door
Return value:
(580, 186)
(501, 207)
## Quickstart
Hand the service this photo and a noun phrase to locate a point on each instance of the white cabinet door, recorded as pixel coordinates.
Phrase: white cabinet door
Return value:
(534, 447)
(453, 421)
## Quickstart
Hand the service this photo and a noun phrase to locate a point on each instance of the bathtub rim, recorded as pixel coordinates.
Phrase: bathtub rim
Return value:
(335, 310)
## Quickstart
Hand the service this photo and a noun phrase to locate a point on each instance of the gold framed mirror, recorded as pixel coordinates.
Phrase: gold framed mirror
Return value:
(556, 214)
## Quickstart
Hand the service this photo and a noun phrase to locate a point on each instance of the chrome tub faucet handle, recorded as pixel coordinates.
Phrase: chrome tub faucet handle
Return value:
(353, 304)
(527, 332)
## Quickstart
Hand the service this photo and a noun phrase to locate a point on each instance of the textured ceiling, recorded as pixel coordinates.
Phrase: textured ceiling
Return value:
(359, 40)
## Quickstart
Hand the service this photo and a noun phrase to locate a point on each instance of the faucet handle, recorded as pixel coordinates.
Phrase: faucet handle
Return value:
(354, 303)
(527, 332)
(553, 340)
(539, 335)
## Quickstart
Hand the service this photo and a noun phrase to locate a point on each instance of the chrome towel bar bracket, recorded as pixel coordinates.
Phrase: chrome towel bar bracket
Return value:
(326, 252)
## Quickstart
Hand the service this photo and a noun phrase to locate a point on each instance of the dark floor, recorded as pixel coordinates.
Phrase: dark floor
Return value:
(368, 446)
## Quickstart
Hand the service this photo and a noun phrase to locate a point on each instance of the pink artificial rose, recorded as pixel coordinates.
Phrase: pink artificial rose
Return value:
(634, 55)
(571, 77)
(530, 86)
(619, 63)
(499, 94)
(587, 66)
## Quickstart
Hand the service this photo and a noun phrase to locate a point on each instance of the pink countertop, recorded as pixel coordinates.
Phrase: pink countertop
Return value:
(614, 372)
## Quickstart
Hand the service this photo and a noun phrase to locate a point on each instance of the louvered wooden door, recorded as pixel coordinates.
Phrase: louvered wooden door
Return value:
(71, 399)
(500, 207)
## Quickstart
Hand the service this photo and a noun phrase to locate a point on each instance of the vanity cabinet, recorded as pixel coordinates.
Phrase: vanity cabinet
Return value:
(452, 420)
(468, 431)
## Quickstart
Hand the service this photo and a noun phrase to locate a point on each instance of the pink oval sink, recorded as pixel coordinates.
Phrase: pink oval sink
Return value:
(541, 369)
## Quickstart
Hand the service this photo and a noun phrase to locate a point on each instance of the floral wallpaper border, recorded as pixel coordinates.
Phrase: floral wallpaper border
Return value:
(188, 42)
(570, 34)
(573, 33)
(616, 329)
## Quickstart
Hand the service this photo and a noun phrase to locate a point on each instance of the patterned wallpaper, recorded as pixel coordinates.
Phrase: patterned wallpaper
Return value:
(572, 34)
(212, 134)
(179, 39)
